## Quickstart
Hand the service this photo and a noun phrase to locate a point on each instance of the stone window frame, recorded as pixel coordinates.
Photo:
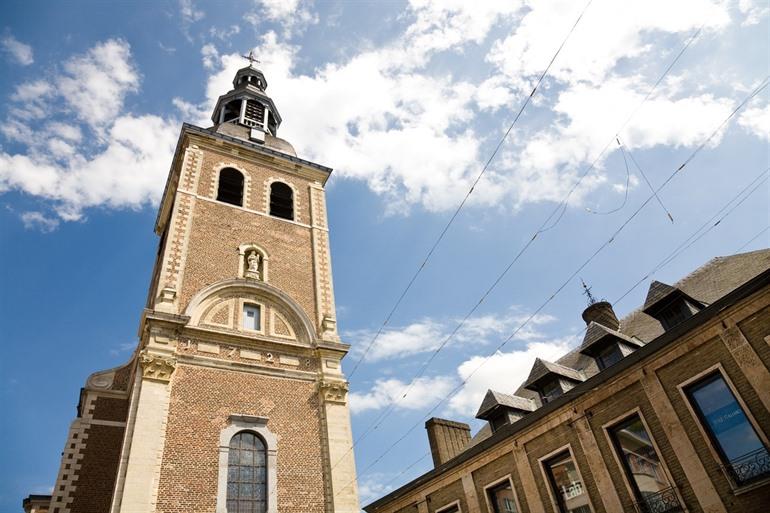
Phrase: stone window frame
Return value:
(498, 482)
(547, 480)
(246, 184)
(607, 427)
(258, 425)
(243, 250)
(295, 199)
(714, 369)
(263, 314)
(448, 507)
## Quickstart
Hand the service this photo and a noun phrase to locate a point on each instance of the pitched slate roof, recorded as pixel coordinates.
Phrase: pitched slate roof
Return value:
(542, 368)
(597, 332)
(494, 399)
(656, 293)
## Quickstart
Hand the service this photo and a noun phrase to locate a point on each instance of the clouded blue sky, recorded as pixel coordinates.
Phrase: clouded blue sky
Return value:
(406, 101)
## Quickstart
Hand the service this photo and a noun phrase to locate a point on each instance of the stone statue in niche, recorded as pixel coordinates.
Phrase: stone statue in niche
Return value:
(252, 265)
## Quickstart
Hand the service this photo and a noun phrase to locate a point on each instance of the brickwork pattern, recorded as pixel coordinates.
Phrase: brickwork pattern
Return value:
(446, 495)
(218, 230)
(493, 471)
(201, 402)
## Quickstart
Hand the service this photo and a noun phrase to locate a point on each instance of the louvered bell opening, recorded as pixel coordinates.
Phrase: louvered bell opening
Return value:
(230, 187)
(232, 111)
(281, 201)
(255, 113)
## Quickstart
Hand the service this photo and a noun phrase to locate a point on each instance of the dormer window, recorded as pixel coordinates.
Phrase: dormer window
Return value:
(501, 409)
(230, 189)
(607, 346)
(281, 201)
(550, 380)
(550, 391)
(669, 305)
(610, 355)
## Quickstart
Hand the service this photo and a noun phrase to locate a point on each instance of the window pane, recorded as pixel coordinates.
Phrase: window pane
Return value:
(735, 437)
(567, 485)
(501, 498)
(725, 418)
(246, 483)
(610, 356)
(251, 317)
(641, 460)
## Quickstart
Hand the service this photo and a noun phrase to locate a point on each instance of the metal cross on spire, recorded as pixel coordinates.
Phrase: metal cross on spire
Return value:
(587, 292)
(252, 59)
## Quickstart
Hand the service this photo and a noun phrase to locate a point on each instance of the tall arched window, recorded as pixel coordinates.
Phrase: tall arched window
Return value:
(246, 474)
(230, 188)
(281, 200)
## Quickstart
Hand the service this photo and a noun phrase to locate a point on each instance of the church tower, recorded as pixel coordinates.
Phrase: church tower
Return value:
(234, 401)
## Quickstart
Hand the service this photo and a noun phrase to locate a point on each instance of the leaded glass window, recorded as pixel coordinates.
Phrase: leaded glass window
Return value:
(246, 474)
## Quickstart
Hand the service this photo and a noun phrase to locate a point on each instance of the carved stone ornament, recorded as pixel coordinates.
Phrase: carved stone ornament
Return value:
(252, 265)
(157, 367)
(329, 328)
(333, 391)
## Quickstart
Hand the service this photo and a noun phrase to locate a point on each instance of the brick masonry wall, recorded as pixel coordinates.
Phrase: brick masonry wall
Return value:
(447, 495)
(217, 231)
(202, 399)
(98, 469)
(755, 329)
(494, 471)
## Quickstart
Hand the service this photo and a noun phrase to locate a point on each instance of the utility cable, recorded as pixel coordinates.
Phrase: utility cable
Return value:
(468, 194)
(623, 225)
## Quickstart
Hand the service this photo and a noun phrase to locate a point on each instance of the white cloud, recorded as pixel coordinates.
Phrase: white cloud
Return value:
(210, 56)
(756, 120)
(38, 221)
(18, 51)
(753, 10)
(428, 334)
(225, 33)
(123, 166)
(189, 13)
(292, 15)
(503, 372)
(96, 83)
(423, 392)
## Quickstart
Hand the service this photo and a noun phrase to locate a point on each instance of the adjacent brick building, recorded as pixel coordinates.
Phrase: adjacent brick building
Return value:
(234, 400)
(665, 410)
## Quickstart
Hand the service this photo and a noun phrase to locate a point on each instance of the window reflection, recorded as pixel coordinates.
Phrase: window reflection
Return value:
(501, 498)
(571, 495)
(642, 464)
(743, 453)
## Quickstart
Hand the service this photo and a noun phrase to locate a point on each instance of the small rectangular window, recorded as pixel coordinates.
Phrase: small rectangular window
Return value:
(551, 391)
(609, 356)
(251, 317)
(743, 454)
(642, 465)
(566, 484)
(501, 498)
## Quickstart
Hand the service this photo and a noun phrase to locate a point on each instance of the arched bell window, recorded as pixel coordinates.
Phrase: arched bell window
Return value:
(247, 474)
(230, 189)
(281, 201)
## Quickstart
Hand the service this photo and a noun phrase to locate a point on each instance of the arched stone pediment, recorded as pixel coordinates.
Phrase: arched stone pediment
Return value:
(221, 305)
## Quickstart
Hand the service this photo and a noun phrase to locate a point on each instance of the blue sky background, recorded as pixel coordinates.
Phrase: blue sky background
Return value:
(406, 101)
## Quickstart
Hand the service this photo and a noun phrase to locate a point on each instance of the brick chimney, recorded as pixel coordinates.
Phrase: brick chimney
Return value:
(602, 313)
(447, 439)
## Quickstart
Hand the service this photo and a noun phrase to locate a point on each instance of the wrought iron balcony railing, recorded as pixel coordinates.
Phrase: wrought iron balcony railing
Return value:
(749, 467)
(664, 501)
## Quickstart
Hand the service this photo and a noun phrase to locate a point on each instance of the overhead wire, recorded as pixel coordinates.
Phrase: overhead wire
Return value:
(753, 238)
(625, 195)
(737, 200)
(468, 194)
(652, 189)
(623, 225)
(542, 228)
